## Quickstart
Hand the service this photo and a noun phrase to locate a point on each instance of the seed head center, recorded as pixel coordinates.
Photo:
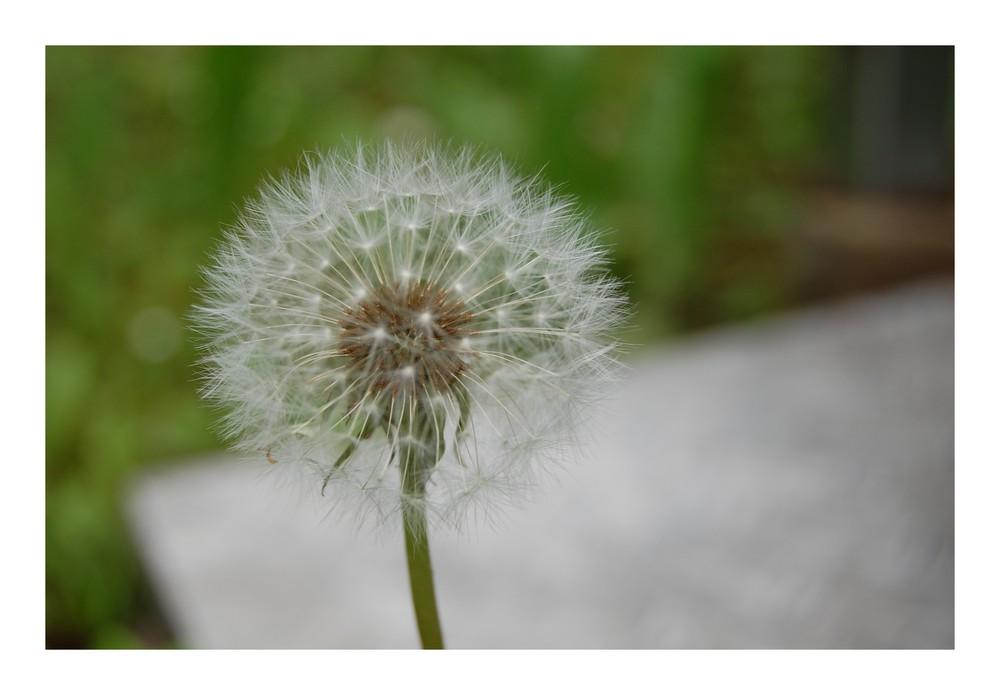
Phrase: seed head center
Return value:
(406, 338)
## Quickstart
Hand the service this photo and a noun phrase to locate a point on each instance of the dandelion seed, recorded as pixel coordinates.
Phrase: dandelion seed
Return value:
(435, 370)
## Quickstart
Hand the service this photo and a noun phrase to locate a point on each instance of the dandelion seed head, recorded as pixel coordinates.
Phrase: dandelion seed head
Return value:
(394, 305)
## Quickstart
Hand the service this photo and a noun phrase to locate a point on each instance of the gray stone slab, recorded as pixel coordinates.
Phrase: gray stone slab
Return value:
(785, 484)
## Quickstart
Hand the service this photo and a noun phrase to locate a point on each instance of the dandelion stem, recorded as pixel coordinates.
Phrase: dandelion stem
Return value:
(419, 450)
(418, 559)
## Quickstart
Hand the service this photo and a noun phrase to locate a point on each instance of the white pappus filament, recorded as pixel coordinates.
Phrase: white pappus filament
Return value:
(403, 303)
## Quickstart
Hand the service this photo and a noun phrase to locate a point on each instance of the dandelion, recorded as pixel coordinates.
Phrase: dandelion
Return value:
(416, 328)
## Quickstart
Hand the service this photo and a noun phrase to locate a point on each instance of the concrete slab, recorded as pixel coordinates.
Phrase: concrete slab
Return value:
(786, 484)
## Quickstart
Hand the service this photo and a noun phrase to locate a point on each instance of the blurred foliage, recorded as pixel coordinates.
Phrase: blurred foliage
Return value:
(690, 155)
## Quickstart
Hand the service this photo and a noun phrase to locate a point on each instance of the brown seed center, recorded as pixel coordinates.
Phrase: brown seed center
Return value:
(406, 338)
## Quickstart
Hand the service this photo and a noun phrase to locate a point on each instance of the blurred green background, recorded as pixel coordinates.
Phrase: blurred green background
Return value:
(735, 181)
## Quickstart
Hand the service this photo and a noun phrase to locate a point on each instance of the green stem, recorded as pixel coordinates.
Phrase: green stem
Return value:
(418, 559)
(416, 464)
